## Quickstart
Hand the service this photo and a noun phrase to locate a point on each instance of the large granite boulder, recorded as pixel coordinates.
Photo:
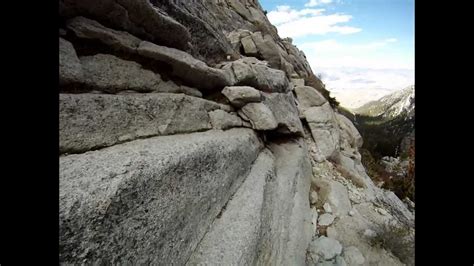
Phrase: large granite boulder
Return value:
(149, 201)
(284, 109)
(139, 17)
(241, 95)
(259, 115)
(354, 137)
(255, 73)
(91, 121)
(326, 248)
(89, 29)
(286, 227)
(235, 236)
(70, 68)
(308, 97)
(111, 74)
(324, 129)
(184, 66)
(220, 119)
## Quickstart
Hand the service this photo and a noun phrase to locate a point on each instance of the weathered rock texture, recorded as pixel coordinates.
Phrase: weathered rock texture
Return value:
(235, 236)
(324, 128)
(240, 95)
(149, 201)
(92, 30)
(140, 18)
(192, 134)
(186, 67)
(70, 68)
(284, 109)
(286, 207)
(111, 74)
(91, 121)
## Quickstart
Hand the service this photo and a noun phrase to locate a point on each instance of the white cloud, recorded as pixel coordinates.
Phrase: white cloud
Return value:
(331, 53)
(354, 87)
(354, 72)
(312, 3)
(309, 21)
(316, 25)
(333, 45)
(284, 14)
(357, 73)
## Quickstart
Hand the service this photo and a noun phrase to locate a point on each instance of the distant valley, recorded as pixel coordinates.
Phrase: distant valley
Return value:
(387, 126)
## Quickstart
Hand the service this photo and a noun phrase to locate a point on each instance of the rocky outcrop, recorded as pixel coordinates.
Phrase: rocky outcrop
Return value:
(257, 74)
(91, 121)
(149, 201)
(140, 18)
(353, 256)
(85, 28)
(186, 67)
(308, 97)
(111, 74)
(259, 115)
(287, 207)
(249, 46)
(326, 248)
(357, 210)
(396, 206)
(240, 95)
(350, 133)
(191, 134)
(324, 129)
(286, 114)
(220, 119)
(280, 54)
(70, 68)
(234, 237)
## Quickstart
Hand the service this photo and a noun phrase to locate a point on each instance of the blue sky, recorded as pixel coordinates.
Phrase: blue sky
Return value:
(344, 40)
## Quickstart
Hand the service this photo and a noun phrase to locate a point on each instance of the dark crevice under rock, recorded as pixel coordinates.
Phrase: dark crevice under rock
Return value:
(274, 136)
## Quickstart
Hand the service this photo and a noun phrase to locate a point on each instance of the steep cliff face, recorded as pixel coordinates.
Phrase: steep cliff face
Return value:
(190, 133)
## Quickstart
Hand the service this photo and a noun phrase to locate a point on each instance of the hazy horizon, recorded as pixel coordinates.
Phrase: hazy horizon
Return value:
(362, 49)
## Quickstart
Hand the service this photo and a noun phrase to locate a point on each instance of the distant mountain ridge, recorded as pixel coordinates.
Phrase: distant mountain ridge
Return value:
(387, 123)
(392, 105)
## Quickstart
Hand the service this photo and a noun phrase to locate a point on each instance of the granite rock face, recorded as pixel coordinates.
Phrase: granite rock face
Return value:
(151, 200)
(286, 207)
(240, 95)
(89, 29)
(286, 114)
(260, 116)
(70, 68)
(324, 129)
(234, 237)
(186, 67)
(220, 119)
(91, 121)
(308, 97)
(192, 134)
(254, 73)
(111, 74)
(140, 18)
